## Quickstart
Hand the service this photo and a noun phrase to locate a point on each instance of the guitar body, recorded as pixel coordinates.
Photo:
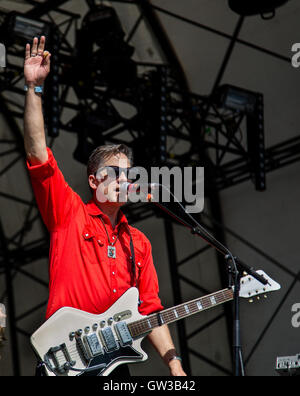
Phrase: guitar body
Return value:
(58, 342)
(77, 343)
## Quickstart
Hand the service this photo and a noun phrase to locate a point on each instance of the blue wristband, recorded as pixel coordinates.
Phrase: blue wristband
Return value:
(38, 89)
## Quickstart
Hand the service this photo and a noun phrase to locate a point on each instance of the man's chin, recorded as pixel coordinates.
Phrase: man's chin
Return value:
(113, 202)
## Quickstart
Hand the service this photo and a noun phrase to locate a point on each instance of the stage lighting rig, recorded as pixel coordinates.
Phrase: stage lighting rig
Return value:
(265, 8)
(18, 30)
(234, 98)
(103, 57)
(21, 29)
(252, 105)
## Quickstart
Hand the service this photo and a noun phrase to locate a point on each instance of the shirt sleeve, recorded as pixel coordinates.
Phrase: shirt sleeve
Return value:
(53, 195)
(148, 284)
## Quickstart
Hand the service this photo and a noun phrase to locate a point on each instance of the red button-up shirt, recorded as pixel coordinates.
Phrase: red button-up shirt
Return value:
(81, 273)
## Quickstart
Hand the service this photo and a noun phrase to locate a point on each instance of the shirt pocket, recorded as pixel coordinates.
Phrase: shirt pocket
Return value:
(92, 247)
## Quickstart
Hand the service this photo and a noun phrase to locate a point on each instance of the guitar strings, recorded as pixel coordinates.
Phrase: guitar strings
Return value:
(167, 315)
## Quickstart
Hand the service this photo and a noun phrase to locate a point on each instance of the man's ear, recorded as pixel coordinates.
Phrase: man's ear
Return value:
(93, 182)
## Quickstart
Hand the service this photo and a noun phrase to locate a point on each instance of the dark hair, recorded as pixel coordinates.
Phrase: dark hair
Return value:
(103, 153)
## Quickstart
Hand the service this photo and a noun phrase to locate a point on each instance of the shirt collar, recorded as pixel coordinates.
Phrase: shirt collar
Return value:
(94, 210)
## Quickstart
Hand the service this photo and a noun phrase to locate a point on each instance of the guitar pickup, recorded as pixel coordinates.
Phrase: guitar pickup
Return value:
(109, 339)
(94, 345)
(123, 333)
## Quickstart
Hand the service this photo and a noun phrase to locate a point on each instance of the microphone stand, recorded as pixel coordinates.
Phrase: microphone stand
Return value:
(235, 269)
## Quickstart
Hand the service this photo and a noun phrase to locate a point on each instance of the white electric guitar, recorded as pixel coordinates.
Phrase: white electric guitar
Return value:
(77, 343)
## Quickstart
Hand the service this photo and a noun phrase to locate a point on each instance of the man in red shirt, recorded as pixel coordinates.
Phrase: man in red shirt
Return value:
(91, 262)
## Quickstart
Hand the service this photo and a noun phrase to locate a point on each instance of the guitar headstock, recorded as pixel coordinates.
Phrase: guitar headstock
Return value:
(250, 287)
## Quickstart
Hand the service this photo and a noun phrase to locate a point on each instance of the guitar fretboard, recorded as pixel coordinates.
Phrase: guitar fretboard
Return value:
(181, 311)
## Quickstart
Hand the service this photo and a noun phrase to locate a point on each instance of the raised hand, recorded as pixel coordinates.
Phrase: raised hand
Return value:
(37, 62)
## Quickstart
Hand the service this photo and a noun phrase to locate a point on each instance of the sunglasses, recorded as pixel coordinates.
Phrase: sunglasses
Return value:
(115, 172)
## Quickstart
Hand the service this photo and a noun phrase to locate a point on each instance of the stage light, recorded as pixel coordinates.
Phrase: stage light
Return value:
(234, 98)
(265, 8)
(103, 57)
(252, 105)
(20, 28)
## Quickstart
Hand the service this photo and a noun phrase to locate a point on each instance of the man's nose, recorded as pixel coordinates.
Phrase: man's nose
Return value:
(123, 176)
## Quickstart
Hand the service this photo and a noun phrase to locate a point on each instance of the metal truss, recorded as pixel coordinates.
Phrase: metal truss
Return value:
(171, 124)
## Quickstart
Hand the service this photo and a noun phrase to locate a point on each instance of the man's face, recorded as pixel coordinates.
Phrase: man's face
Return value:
(108, 179)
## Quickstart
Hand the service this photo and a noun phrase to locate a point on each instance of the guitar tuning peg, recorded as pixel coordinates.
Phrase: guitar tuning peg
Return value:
(265, 296)
(258, 298)
(251, 301)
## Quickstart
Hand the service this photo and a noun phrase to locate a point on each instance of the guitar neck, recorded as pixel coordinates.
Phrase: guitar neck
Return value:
(179, 312)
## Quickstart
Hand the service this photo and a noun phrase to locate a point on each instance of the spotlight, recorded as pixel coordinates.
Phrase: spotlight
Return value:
(237, 99)
(101, 41)
(265, 8)
(20, 28)
(252, 105)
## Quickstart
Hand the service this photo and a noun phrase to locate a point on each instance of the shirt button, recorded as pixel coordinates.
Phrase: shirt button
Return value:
(139, 264)
(115, 291)
(113, 273)
(86, 235)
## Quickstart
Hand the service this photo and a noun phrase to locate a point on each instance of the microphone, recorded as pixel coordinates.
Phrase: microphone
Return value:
(136, 187)
(143, 191)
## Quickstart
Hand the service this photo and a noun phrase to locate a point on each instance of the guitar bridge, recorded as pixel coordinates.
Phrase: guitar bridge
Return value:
(54, 356)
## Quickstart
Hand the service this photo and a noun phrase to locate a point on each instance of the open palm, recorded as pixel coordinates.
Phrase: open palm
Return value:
(37, 62)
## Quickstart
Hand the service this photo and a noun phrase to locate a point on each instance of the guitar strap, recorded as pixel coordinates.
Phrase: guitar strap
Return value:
(133, 266)
(132, 258)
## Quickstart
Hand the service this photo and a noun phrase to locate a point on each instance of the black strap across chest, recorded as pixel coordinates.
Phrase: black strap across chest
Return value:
(132, 257)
